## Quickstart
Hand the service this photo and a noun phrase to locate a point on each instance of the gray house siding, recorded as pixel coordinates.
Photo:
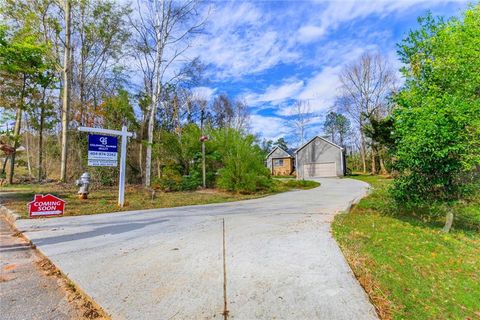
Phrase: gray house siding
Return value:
(320, 152)
(276, 153)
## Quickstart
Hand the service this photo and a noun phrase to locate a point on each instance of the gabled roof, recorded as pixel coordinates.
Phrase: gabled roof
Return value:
(277, 147)
(305, 144)
(47, 197)
(291, 152)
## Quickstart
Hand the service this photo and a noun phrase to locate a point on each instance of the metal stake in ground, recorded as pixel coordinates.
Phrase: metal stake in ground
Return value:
(124, 134)
(225, 305)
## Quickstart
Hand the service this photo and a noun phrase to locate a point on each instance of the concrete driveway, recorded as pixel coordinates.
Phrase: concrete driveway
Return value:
(276, 258)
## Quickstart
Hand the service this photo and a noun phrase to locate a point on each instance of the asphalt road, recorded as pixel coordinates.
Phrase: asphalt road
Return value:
(281, 261)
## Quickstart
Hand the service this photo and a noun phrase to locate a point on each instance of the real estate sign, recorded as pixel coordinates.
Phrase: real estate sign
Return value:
(46, 206)
(102, 150)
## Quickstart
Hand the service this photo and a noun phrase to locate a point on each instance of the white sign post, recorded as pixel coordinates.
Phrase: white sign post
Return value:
(124, 134)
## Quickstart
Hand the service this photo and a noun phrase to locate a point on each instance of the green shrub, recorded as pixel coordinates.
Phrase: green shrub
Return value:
(190, 182)
(243, 169)
(104, 176)
(170, 181)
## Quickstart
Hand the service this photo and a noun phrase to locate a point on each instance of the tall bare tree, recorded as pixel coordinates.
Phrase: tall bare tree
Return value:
(101, 36)
(300, 116)
(164, 29)
(365, 87)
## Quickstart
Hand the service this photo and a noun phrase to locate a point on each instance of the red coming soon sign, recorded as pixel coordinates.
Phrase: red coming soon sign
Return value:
(46, 206)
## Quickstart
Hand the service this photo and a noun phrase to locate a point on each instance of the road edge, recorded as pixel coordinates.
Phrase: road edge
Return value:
(86, 302)
(351, 204)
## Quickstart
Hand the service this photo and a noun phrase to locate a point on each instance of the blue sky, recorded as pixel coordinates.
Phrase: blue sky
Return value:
(270, 53)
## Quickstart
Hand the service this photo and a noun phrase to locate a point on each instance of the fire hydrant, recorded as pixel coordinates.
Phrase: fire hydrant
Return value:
(83, 183)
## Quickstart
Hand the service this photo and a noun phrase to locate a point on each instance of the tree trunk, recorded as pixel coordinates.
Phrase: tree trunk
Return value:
(148, 156)
(5, 164)
(66, 91)
(383, 170)
(156, 91)
(363, 151)
(204, 183)
(40, 138)
(448, 221)
(27, 145)
(16, 131)
(374, 162)
(140, 148)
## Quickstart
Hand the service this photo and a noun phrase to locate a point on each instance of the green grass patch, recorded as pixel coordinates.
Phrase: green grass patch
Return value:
(407, 265)
(104, 199)
(283, 185)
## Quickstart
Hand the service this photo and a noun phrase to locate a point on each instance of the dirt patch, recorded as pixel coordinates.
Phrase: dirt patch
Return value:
(9, 267)
(209, 191)
(88, 309)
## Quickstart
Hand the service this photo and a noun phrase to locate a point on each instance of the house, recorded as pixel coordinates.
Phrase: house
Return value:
(280, 162)
(320, 157)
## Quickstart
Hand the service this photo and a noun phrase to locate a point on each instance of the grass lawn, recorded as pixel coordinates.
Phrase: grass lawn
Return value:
(407, 265)
(104, 199)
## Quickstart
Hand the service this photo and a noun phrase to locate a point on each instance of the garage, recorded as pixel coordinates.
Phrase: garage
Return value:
(317, 170)
(319, 158)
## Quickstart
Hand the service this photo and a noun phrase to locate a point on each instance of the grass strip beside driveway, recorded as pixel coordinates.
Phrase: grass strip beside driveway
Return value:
(407, 265)
(104, 199)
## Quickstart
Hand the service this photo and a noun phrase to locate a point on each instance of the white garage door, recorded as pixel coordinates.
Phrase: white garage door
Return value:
(313, 170)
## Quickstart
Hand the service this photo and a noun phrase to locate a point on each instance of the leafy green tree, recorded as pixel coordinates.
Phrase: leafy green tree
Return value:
(337, 126)
(22, 62)
(118, 111)
(380, 135)
(281, 143)
(42, 112)
(437, 121)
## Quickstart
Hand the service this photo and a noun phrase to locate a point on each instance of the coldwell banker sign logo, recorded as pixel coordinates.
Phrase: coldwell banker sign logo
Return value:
(45, 206)
(102, 150)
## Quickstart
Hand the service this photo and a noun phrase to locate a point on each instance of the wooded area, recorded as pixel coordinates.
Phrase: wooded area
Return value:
(67, 64)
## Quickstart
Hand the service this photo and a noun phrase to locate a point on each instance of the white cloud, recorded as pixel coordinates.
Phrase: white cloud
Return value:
(242, 39)
(310, 33)
(320, 90)
(276, 94)
(269, 127)
(336, 13)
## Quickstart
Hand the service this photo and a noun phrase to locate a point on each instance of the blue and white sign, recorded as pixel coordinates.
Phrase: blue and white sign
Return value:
(102, 150)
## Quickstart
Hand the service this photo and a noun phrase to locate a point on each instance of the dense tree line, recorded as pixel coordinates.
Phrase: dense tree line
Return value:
(69, 63)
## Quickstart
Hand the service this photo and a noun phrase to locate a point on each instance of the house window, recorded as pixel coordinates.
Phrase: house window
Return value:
(278, 163)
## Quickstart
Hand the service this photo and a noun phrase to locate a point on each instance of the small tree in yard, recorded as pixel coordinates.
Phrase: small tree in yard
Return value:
(437, 120)
(243, 169)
